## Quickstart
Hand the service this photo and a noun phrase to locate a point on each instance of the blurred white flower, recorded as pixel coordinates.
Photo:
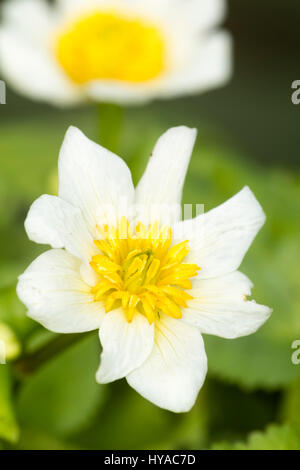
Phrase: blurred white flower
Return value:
(149, 291)
(123, 51)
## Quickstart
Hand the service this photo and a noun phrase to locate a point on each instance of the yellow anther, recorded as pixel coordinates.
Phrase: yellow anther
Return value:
(142, 274)
(108, 45)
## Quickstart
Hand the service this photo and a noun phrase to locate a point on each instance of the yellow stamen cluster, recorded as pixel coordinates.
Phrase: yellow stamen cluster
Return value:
(141, 271)
(106, 45)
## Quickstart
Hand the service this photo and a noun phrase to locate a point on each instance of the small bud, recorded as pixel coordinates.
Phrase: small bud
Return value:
(10, 347)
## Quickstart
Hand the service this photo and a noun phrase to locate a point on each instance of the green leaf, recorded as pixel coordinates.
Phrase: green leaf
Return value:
(234, 412)
(128, 421)
(276, 437)
(32, 439)
(9, 273)
(290, 408)
(13, 312)
(9, 430)
(63, 396)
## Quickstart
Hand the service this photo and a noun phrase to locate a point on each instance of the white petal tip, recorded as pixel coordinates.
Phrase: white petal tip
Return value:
(73, 131)
(100, 378)
(255, 204)
(183, 131)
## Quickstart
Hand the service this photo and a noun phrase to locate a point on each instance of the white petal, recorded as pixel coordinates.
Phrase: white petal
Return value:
(158, 194)
(33, 18)
(195, 14)
(174, 372)
(201, 14)
(220, 307)
(55, 222)
(146, 8)
(220, 238)
(209, 66)
(55, 295)
(125, 345)
(72, 7)
(113, 91)
(31, 69)
(94, 180)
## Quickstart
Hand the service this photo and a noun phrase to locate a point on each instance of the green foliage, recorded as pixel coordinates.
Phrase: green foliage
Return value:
(290, 410)
(12, 312)
(128, 421)
(9, 430)
(63, 396)
(276, 437)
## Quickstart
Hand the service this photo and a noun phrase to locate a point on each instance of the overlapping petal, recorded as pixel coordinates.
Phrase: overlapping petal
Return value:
(55, 222)
(56, 296)
(174, 372)
(220, 307)
(125, 345)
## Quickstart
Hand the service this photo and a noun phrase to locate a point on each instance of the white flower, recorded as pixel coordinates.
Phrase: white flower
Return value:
(123, 51)
(116, 266)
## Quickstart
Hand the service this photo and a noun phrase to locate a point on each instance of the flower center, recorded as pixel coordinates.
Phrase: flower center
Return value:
(141, 271)
(111, 46)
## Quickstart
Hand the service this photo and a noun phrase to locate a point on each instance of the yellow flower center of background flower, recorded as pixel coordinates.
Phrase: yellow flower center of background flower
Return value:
(111, 46)
(142, 272)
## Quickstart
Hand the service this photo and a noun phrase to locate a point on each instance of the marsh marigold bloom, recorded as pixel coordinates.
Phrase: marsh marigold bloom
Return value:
(123, 51)
(123, 262)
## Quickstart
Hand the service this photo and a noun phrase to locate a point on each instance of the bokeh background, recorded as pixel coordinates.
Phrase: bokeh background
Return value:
(248, 134)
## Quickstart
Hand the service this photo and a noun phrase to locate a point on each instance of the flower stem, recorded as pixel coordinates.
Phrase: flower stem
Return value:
(30, 363)
(110, 121)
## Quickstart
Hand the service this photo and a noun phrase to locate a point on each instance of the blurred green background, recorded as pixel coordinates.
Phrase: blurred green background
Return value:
(248, 134)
